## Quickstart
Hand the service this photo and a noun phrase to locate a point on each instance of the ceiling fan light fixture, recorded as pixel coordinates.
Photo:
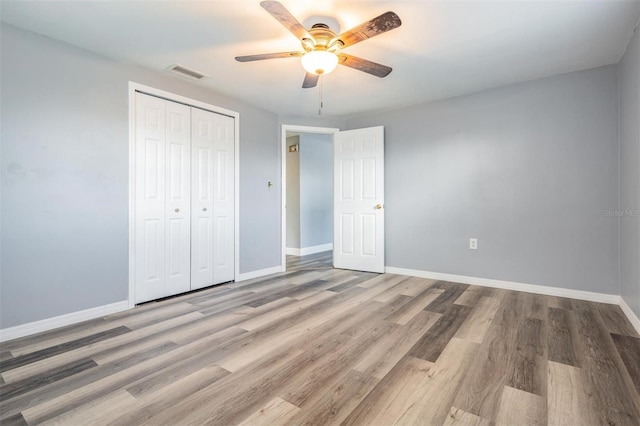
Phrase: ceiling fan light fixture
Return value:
(322, 46)
(319, 62)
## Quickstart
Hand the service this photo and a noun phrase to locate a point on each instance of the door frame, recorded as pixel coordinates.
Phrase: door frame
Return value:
(283, 178)
(137, 87)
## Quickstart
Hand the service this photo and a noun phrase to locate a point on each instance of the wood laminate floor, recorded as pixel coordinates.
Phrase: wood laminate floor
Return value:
(316, 345)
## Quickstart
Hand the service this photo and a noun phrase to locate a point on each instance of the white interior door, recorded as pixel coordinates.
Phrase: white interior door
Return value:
(178, 205)
(162, 202)
(184, 198)
(224, 199)
(202, 154)
(358, 225)
(212, 239)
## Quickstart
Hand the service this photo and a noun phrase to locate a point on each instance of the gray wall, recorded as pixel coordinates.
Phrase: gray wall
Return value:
(527, 169)
(293, 194)
(316, 189)
(629, 84)
(65, 177)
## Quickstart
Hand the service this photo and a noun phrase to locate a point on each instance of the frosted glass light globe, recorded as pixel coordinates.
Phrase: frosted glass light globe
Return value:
(319, 62)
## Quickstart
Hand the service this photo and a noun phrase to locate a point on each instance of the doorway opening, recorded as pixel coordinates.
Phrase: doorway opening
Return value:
(307, 191)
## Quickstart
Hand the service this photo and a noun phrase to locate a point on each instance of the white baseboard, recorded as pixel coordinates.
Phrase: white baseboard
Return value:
(509, 285)
(259, 273)
(62, 320)
(633, 318)
(309, 250)
(99, 311)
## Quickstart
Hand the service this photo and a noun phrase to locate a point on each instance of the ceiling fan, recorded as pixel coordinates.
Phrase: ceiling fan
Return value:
(321, 46)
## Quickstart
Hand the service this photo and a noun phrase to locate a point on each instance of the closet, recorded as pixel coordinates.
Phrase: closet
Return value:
(184, 198)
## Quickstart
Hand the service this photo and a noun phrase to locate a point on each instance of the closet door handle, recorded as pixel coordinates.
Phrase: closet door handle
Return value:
(204, 209)
(177, 210)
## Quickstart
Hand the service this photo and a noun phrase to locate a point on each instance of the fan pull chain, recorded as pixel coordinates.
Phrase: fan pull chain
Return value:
(321, 101)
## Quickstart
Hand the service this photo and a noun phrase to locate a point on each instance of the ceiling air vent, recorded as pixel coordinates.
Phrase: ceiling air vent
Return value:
(186, 72)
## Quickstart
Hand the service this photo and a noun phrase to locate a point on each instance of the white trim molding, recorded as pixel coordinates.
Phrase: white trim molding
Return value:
(259, 273)
(509, 285)
(309, 250)
(62, 320)
(633, 318)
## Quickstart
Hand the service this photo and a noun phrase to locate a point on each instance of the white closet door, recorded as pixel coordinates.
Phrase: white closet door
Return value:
(212, 237)
(223, 198)
(162, 171)
(178, 204)
(150, 197)
(202, 181)
(184, 198)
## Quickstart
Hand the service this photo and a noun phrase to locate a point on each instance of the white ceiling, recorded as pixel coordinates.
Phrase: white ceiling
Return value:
(442, 49)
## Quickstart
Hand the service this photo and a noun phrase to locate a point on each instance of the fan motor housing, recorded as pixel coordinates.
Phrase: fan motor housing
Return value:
(325, 39)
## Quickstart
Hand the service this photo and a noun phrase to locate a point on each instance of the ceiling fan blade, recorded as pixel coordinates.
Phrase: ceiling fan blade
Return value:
(249, 58)
(383, 23)
(360, 64)
(310, 80)
(278, 11)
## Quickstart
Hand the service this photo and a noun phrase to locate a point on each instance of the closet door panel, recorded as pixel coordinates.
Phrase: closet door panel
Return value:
(150, 220)
(178, 198)
(184, 198)
(202, 181)
(223, 196)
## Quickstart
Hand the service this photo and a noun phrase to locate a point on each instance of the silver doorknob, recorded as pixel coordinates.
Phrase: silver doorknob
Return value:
(204, 209)
(378, 206)
(177, 210)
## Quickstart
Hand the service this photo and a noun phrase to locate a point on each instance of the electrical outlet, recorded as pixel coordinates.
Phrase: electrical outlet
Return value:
(473, 243)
